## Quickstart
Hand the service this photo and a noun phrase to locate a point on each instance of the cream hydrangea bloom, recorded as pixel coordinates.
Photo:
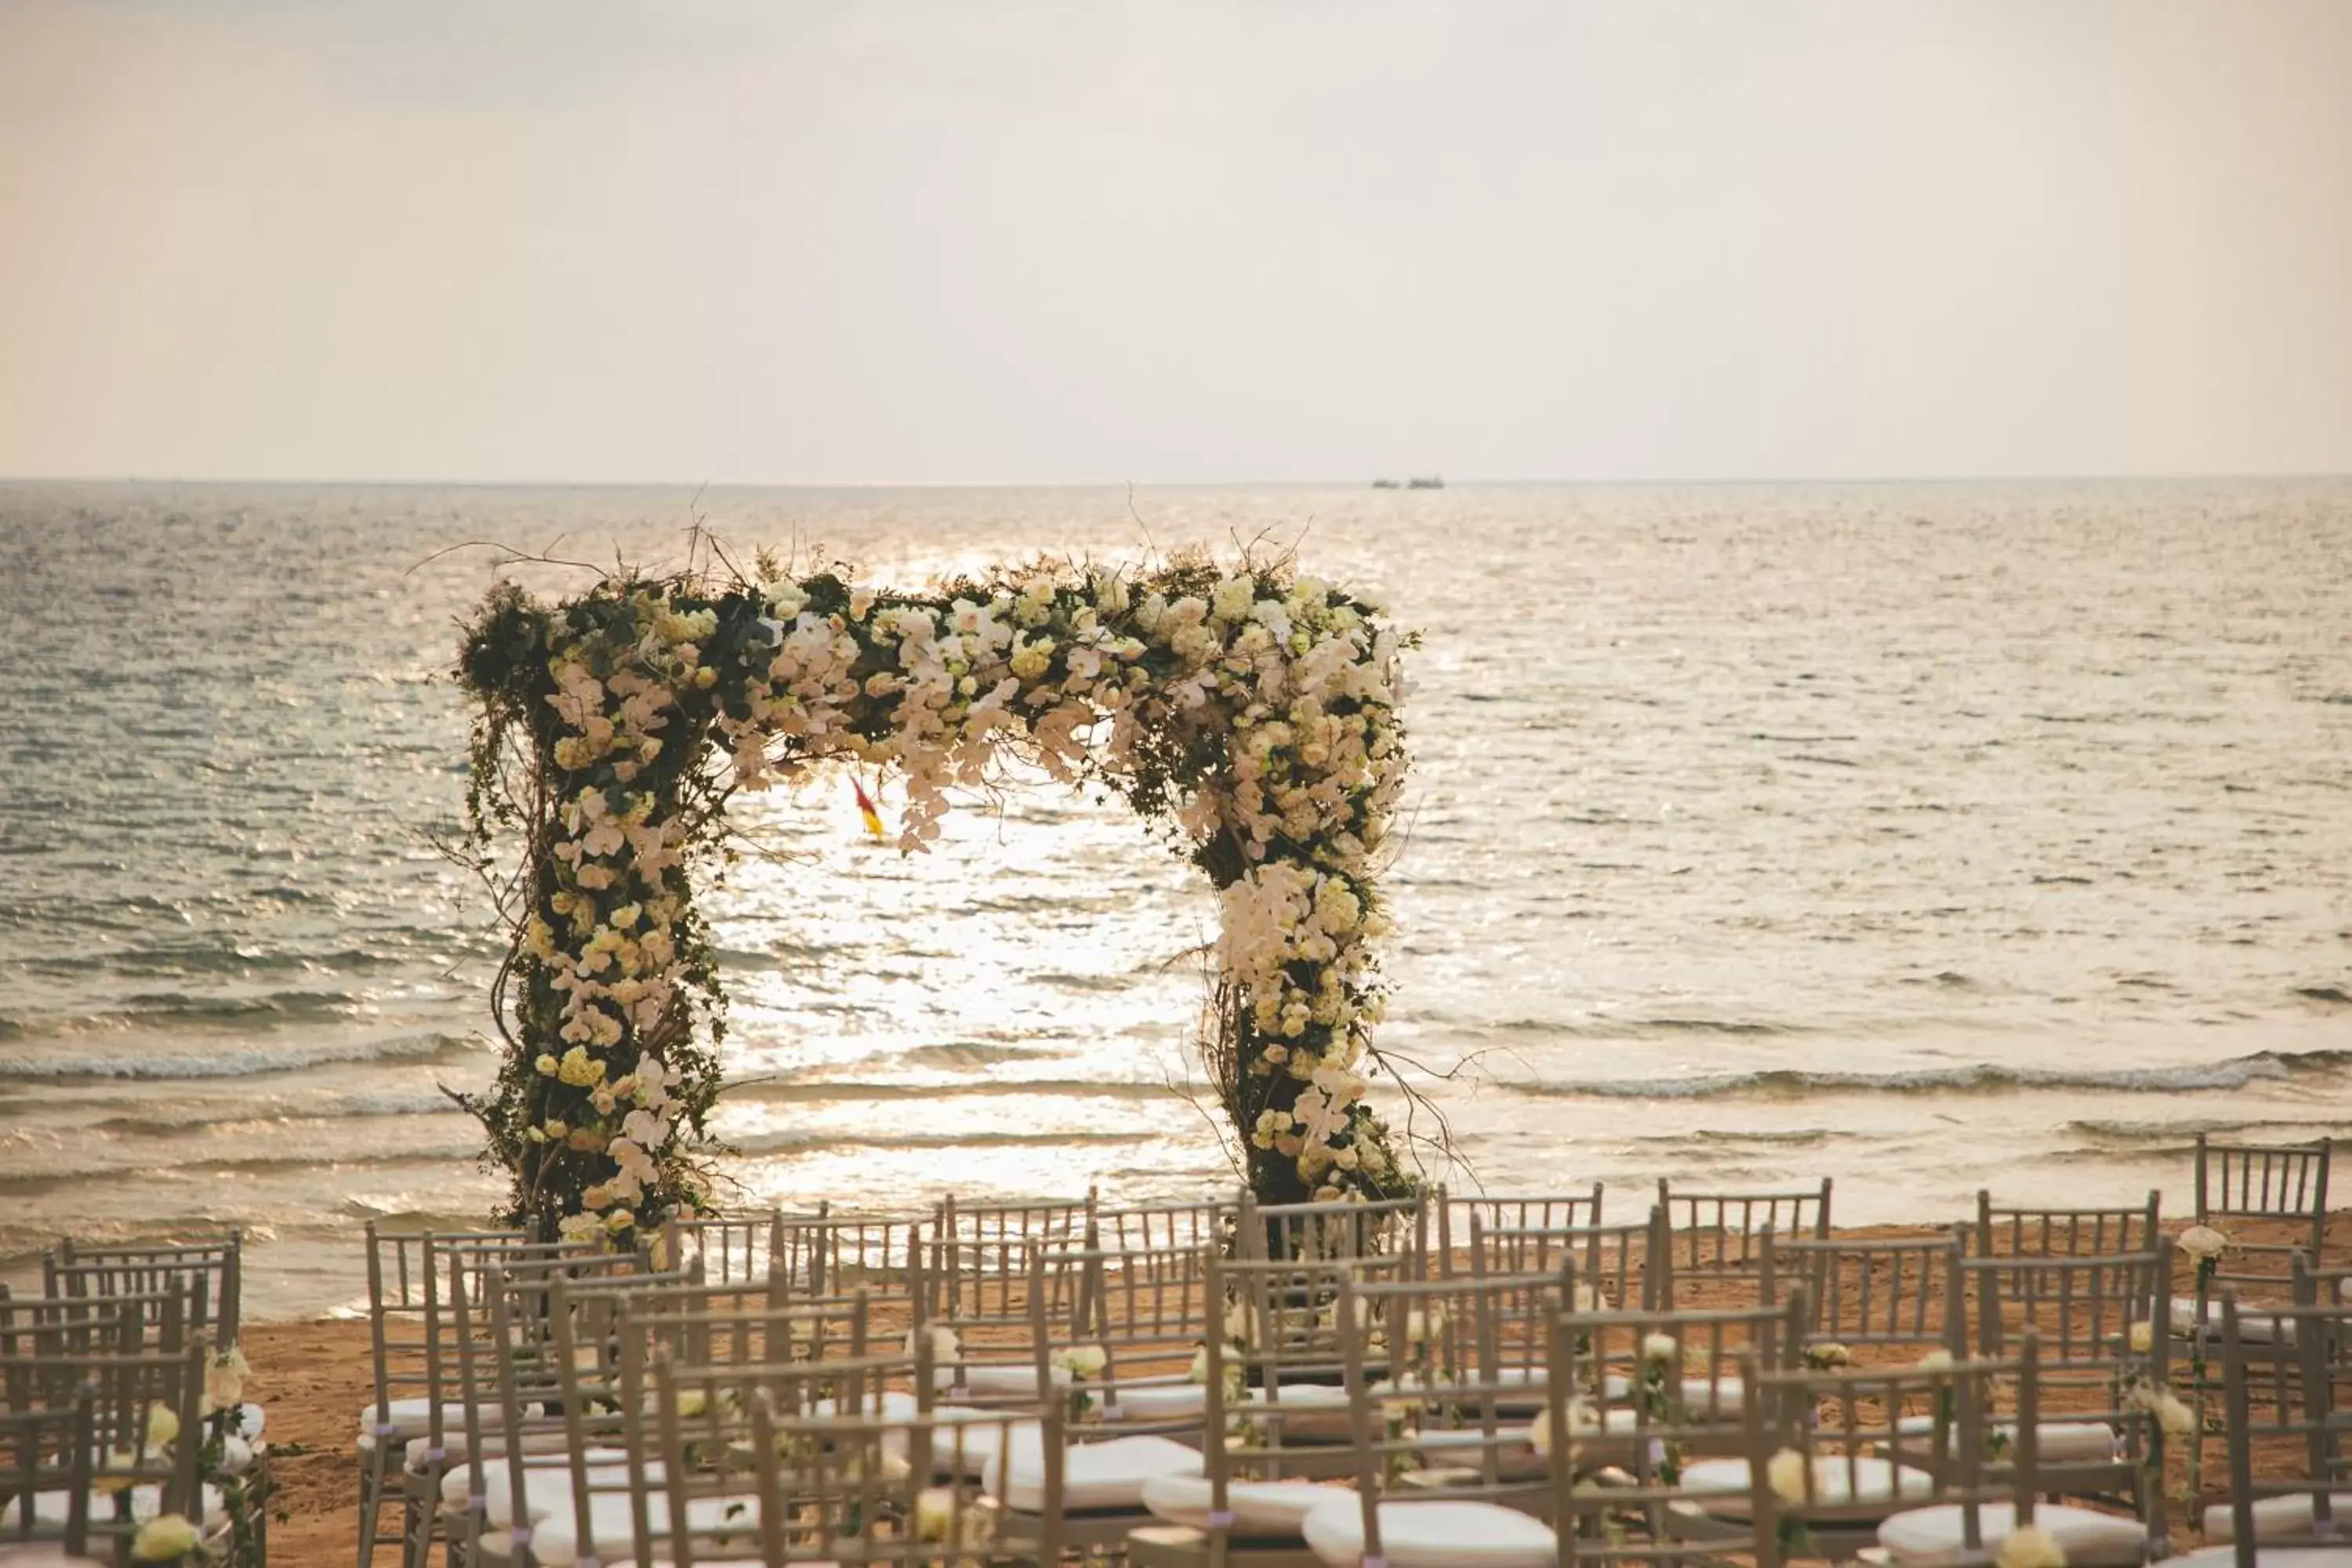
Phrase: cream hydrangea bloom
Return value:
(2031, 1546)
(166, 1538)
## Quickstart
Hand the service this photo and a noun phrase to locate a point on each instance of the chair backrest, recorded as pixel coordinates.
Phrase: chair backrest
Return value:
(1609, 1263)
(1718, 1237)
(1315, 1232)
(831, 1254)
(1145, 1227)
(1046, 1219)
(1874, 1292)
(208, 1273)
(731, 1245)
(2008, 1232)
(46, 1450)
(1453, 1214)
(2253, 1181)
(1828, 1450)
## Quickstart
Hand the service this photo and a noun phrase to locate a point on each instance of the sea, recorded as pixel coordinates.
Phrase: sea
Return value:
(1931, 838)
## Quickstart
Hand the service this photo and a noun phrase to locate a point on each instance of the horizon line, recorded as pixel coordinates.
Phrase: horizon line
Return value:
(1353, 483)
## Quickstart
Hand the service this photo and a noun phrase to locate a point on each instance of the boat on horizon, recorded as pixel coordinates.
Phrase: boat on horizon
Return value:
(1425, 482)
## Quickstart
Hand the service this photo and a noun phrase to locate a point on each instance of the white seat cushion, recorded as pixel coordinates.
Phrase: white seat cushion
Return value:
(1431, 1535)
(998, 1380)
(1262, 1510)
(2059, 1442)
(2279, 1518)
(1723, 1483)
(546, 1489)
(1158, 1402)
(1097, 1477)
(407, 1417)
(555, 1541)
(1933, 1537)
(50, 1509)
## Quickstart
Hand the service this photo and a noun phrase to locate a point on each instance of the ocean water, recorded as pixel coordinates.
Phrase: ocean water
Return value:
(1927, 837)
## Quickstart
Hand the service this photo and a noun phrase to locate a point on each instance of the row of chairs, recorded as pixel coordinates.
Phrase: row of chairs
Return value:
(108, 1424)
(974, 1271)
(1042, 1396)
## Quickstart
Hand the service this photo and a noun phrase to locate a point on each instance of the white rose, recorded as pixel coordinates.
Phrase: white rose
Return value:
(1935, 1360)
(2142, 1337)
(1659, 1348)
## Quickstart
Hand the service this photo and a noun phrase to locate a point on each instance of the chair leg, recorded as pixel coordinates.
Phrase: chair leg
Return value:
(371, 1501)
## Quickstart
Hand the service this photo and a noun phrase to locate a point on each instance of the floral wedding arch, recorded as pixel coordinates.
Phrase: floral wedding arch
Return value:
(1251, 713)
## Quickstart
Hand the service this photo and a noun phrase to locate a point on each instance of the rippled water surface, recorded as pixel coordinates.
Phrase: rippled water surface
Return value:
(1924, 836)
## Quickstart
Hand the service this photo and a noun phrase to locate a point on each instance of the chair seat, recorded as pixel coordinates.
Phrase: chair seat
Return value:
(455, 1452)
(1262, 1510)
(998, 1380)
(555, 1541)
(1431, 1535)
(51, 1509)
(546, 1489)
(1721, 1486)
(1097, 1477)
(408, 1417)
(1935, 1537)
(2059, 1442)
(2279, 1518)
(1158, 1402)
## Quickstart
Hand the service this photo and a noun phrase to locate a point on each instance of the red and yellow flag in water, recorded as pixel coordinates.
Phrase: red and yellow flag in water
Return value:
(866, 808)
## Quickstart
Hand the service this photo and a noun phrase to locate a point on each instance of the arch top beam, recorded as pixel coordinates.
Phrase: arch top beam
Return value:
(1253, 711)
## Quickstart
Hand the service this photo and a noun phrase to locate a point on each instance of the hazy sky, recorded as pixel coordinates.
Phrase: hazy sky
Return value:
(996, 239)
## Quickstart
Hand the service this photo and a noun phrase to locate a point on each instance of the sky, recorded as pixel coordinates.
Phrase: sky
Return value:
(791, 241)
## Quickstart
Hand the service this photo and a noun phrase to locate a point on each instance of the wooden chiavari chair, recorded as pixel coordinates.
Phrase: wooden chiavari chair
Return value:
(2292, 1404)
(2095, 1441)
(137, 1413)
(1476, 1502)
